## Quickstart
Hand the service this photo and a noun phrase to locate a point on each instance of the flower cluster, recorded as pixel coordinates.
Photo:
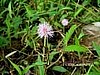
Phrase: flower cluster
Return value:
(45, 30)
(64, 22)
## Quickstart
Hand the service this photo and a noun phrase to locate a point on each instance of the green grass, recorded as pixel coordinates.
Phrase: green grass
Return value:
(19, 21)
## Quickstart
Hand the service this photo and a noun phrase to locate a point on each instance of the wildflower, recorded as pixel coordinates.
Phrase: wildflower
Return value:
(45, 30)
(64, 22)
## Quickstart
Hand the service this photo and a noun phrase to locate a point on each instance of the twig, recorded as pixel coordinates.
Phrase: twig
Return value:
(73, 71)
(82, 64)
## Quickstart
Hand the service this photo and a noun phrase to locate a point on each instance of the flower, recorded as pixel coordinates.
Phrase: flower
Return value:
(45, 30)
(64, 22)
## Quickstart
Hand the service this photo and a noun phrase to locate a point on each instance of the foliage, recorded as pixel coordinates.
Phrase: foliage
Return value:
(59, 69)
(97, 48)
(39, 63)
(20, 42)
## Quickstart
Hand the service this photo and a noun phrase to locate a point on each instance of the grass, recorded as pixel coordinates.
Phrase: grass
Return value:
(23, 52)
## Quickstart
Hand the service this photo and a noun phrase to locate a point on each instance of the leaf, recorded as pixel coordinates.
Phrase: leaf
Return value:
(27, 68)
(51, 55)
(77, 12)
(52, 13)
(16, 67)
(59, 69)
(86, 2)
(78, 48)
(69, 34)
(16, 21)
(97, 62)
(94, 73)
(81, 35)
(39, 63)
(34, 30)
(77, 41)
(98, 1)
(97, 47)
(58, 25)
(29, 11)
(63, 17)
(30, 66)
(8, 27)
(64, 8)
(42, 20)
(3, 41)
(41, 67)
(34, 17)
(9, 9)
(3, 2)
(1, 13)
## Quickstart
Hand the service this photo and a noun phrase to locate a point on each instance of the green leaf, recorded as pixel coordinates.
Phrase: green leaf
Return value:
(52, 13)
(29, 11)
(34, 30)
(98, 1)
(77, 41)
(1, 13)
(78, 48)
(39, 63)
(3, 41)
(97, 47)
(34, 16)
(59, 69)
(16, 67)
(77, 12)
(69, 34)
(9, 9)
(27, 68)
(65, 8)
(8, 27)
(41, 67)
(57, 25)
(94, 73)
(16, 21)
(86, 2)
(34, 64)
(81, 35)
(51, 55)
(63, 17)
(42, 20)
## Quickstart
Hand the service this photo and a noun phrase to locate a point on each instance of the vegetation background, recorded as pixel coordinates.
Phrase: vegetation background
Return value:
(23, 52)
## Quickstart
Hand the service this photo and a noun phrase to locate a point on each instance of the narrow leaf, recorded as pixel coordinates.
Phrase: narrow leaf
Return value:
(59, 69)
(94, 73)
(16, 67)
(27, 68)
(51, 55)
(81, 35)
(78, 11)
(41, 67)
(97, 47)
(9, 9)
(77, 41)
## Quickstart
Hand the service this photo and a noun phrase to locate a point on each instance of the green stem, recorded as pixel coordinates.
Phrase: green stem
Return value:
(44, 48)
(89, 69)
(63, 29)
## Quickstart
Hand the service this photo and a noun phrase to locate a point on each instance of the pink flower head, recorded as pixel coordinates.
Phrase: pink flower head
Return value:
(64, 22)
(45, 30)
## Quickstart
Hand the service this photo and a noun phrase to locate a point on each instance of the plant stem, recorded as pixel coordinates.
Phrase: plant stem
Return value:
(44, 48)
(89, 69)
